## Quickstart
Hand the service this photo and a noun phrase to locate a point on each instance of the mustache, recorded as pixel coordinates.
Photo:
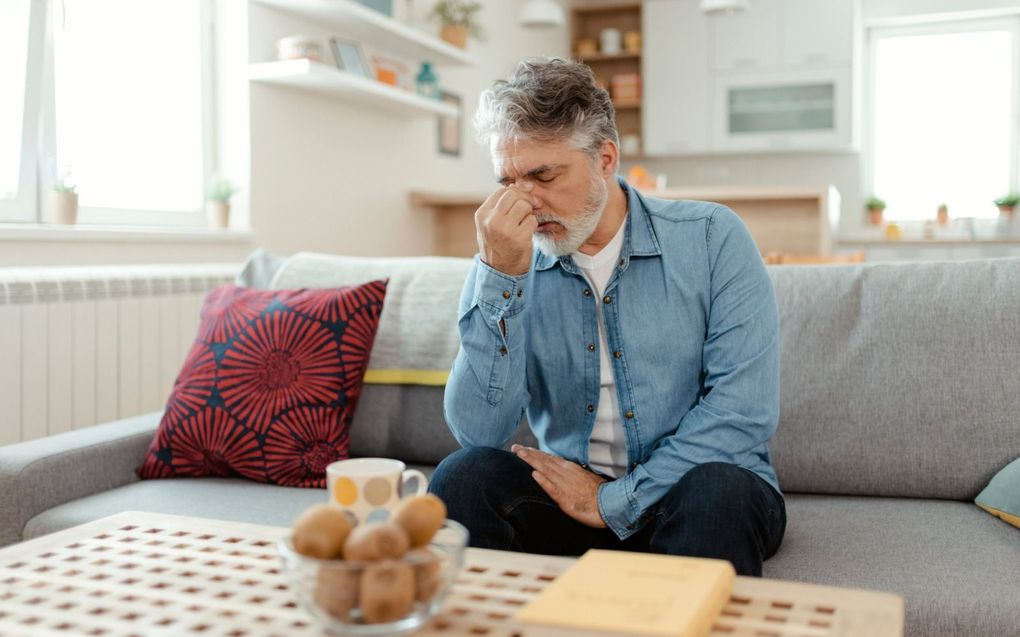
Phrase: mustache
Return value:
(548, 219)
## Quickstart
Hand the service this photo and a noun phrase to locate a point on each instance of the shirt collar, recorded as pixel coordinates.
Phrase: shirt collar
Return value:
(639, 240)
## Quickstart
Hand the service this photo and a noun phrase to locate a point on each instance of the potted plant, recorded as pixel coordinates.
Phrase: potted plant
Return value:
(875, 208)
(218, 191)
(1007, 203)
(63, 200)
(458, 20)
(942, 216)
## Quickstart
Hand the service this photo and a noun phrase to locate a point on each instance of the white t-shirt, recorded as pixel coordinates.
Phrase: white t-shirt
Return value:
(607, 447)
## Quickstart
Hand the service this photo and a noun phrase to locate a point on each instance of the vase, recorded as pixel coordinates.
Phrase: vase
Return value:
(217, 214)
(62, 208)
(455, 34)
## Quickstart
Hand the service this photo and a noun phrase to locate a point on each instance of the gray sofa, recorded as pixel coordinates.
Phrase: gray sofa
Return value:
(900, 400)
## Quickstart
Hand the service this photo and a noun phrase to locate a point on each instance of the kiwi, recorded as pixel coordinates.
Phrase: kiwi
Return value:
(321, 531)
(336, 591)
(421, 516)
(380, 541)
(426, 573)
(387, 591)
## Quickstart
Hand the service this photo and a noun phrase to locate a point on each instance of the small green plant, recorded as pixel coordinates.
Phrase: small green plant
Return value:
(219, 189)
(1011, 200)
(459, 13)
(63, 183)
(874, 203)
(60, 181)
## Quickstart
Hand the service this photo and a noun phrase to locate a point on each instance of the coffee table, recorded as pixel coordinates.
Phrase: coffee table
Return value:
(150, 575)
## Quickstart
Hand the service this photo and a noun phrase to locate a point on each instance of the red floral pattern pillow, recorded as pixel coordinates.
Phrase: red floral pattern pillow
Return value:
(269, 387)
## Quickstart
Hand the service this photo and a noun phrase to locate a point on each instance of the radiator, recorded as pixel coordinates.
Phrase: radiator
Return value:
(87, 345)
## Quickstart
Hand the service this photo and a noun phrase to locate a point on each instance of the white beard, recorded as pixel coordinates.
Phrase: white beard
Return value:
(578, 230)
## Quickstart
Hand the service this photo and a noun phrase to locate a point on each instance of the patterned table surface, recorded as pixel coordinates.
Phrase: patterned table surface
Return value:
(151, 575)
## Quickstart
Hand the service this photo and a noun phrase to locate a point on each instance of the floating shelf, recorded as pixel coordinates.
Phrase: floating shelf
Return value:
(373, 28)
(321, 78)
(600, 57)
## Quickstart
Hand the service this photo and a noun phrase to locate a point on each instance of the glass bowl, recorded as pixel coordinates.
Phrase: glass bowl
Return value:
(388, 597)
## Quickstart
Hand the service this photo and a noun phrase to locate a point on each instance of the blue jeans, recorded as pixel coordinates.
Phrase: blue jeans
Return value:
(716, 510)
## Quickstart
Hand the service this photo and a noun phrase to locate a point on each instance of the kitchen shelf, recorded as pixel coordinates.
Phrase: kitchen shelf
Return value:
(373, 28)
(599, 57)
(626, 105)
(312, 76)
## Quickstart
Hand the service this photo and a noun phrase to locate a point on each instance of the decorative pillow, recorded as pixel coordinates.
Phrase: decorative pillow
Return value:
(1001, 497)
(269, 388)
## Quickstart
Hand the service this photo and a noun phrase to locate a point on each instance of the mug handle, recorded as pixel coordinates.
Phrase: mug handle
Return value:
(423, 482)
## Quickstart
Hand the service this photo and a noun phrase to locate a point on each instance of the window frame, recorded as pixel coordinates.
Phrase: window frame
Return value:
(24, 206)
(942, 25)
(39, 131)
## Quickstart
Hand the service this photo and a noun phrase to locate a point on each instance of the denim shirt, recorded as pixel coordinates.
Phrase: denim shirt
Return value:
(693, 329)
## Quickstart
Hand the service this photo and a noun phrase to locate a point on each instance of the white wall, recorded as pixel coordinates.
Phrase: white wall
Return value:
(333, 177)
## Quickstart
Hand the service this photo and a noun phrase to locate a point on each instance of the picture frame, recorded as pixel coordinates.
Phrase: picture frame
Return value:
(350, 57)
(449, 128)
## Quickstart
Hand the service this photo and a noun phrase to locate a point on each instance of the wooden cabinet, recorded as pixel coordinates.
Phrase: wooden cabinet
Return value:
(677, 88)
(618, 70)
(788, 220)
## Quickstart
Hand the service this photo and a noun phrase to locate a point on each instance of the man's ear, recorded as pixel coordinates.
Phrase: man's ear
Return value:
(609, 158)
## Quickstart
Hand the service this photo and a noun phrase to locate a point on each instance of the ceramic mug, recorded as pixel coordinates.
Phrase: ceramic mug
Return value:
(370, 488)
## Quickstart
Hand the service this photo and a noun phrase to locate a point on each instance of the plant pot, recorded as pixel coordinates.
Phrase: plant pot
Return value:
(62, 208)
(942, 217)
(875, 216)
(455, 35)
(217, 214)
(1006, 211)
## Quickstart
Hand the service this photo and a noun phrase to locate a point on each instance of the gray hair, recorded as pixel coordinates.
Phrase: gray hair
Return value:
(548, 99)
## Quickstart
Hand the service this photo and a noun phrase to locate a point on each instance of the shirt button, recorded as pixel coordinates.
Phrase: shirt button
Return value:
(502, 350)
(629, 414)
(520, 293)
(591, 347)
(587, 292)
(618, 354)
(607, 299)
(633, 465)
(506, 294)
(591, 408)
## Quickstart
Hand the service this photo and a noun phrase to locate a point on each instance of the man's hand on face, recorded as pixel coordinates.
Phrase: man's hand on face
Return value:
(571, 486)
(505, 224)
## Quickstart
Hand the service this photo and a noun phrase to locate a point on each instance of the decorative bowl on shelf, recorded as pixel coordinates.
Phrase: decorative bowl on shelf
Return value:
(386, 597)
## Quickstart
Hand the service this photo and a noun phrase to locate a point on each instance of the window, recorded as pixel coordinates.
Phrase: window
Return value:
(18, 110)
(943, 128)
(125, 107)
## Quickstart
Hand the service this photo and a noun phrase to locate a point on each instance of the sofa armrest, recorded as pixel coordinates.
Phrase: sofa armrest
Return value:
(40, 474)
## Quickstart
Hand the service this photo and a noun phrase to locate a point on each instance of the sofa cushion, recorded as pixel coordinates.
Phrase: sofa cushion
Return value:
(270, 385)
(1001, 497)
(418, 338)
(955, 566)
(898, 379)
(233, 499)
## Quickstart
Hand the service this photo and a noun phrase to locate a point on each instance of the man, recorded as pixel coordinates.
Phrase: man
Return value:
(639, 335)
